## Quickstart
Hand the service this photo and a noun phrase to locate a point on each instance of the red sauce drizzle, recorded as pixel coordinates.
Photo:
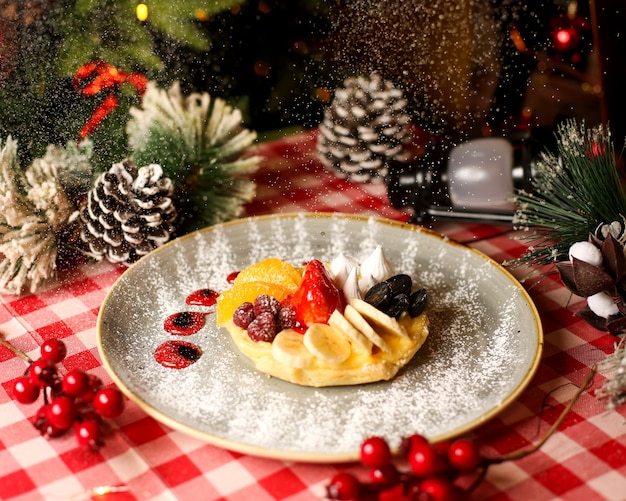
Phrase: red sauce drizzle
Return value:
(184, 323)
(231, 277)
(177, 354)
(203, 297)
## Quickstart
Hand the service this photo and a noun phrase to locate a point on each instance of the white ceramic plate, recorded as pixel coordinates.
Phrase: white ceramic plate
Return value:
(483, 348)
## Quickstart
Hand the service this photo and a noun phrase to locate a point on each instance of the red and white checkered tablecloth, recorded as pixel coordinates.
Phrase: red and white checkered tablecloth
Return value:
(143, 459)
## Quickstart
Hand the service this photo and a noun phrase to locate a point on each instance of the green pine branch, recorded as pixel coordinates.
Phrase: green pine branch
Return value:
(200, 142)
(109, 30)
(575, 189)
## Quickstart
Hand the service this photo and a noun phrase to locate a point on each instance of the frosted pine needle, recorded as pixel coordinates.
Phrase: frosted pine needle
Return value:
(614, 368)
(574, 190)
(30, 206)
(200, 142)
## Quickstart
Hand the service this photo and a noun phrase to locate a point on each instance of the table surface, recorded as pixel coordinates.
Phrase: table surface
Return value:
(144, 459)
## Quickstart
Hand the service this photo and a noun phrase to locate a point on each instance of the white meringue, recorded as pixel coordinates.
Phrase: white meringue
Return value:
(366, 283)
(375, 268)
(340, 268)
(351, 288)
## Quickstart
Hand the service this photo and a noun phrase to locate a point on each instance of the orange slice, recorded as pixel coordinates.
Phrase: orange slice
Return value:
(271, 270)
(231, 299)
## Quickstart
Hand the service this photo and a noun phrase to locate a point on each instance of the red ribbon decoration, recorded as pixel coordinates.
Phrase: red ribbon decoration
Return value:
(98, 76)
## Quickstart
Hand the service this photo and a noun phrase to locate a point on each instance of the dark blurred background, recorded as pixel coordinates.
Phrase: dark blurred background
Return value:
(467, 68)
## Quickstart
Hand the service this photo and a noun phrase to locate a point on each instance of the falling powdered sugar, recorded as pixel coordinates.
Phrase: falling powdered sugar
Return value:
(482, 345)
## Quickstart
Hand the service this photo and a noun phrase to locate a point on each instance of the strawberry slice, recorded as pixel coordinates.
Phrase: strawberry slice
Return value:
(317, 297)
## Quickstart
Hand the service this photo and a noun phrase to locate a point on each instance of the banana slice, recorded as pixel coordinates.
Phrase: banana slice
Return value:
(357, 320)
(288, 348)
(358, 340)
(326, 343)
(375, 316)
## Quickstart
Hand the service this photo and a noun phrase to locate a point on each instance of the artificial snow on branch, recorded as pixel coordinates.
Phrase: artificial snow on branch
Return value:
(614, 367)
(199, 142)
(575, 190)
(34, 211)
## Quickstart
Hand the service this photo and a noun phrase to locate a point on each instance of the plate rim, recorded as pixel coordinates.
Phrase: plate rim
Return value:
(317, 457)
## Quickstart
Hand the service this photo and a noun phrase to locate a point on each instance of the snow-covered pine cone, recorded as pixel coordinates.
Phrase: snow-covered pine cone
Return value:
(363, 128)
(128, 213)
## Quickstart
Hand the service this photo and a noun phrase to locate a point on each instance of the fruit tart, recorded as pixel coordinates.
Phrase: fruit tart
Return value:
(341, 323)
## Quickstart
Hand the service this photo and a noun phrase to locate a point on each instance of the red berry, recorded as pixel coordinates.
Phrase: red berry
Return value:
(95, 384)
(424, 460)
(243, 315)
(76, 383)
(109, 402)
(343, 487)
(463, 454)
(287, 318)
(88, 433)
(408, 442)
(43, 424)
(264, 303)
(24, 391)
(442, 448)
(440, 489)
(62, 412)
(263, 328)
(42, 372)
(395, 493)
(387, 474)
(375, 452)
(54, 350)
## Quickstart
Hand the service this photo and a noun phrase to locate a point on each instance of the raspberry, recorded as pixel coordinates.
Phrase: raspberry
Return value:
(287, 318)
(265, 303)
(243, 315)
(263, 328)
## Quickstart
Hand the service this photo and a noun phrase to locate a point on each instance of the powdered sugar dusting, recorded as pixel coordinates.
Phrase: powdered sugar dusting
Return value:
(481, 349)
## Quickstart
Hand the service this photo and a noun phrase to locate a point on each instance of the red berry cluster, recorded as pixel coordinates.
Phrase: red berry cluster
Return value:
(76, 399)
(433, 471)
(264, 318)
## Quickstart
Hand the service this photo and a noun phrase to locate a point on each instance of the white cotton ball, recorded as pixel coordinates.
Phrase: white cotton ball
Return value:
(602, 305)
(587, 252)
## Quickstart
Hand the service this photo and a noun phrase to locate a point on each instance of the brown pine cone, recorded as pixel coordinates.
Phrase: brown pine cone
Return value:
(128, 213)
(363, 129)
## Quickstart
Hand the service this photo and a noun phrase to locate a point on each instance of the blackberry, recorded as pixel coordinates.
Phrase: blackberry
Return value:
(263, 327)
(243, 315)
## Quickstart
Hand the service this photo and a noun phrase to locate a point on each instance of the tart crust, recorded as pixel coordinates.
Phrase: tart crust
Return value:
(358, 368)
